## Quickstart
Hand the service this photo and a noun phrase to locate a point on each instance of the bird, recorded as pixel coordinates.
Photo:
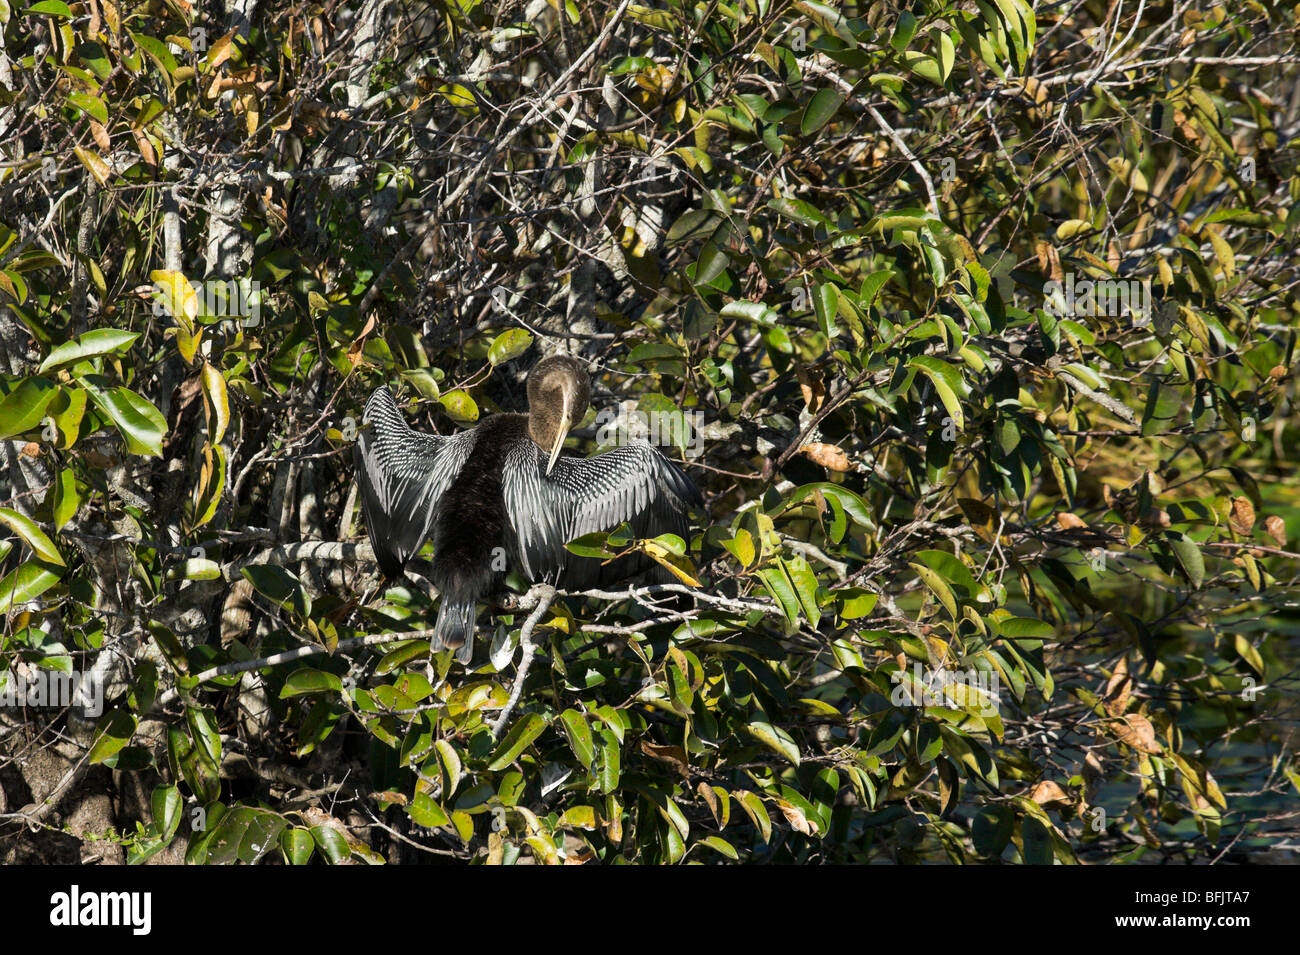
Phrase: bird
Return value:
(502, 495)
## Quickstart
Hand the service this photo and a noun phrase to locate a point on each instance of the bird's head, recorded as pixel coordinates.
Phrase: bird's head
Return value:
(559, 394)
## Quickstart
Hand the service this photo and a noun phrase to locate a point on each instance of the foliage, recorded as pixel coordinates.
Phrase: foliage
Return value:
(982, 314)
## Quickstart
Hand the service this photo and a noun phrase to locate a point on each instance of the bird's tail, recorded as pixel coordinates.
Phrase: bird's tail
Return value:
(455, 627)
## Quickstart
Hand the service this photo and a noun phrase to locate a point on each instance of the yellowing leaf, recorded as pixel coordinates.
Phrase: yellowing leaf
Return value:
(176, 295)
(680, 565)
(214, 388)
(94, 164)
(1072, 227)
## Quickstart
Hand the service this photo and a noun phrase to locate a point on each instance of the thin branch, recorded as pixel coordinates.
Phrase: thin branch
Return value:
(544, 595)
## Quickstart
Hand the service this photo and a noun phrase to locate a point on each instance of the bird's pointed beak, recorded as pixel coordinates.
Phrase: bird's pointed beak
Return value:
(555, 450)
(561, 433)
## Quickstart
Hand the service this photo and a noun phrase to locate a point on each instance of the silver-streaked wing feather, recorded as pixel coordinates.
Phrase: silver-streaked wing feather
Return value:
(632, 483)
(538, 513)
(402, 473)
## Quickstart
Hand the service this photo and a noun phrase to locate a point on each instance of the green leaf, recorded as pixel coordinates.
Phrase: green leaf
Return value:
(775, 739)
(871, 287)
(297, 846)
(22, 409)
(157, 51)
(904, 30)
(779, 586)
(713, 262)
(1247, 652)
(91, 105)
(720, 846)
(25, 582)
(608, 774)
(991, 829)
(66, 411)
(521, 734)
(1189, 556)
(741, 547)
(66, 498)
(140, 423)
(460, 406)
(278, 584)
(167, 807)
(1037, 839)
(214, 388)
(947, 56)
(951, 569)
(30, 532)
(451, 764)
(692, 224)
(805, 587)
(590, 545)
(1162, 407)
(757, 813)
(509, 345)
(114, 731)
(1025, 628)
(938, 586)
(947, 384)
(579, 732)
(756, 312)
(50, 8)
(829, 19)
(856, 603)
(824, 105)
(425, 812)
(333, 846)
(826, 302)
(308, 680)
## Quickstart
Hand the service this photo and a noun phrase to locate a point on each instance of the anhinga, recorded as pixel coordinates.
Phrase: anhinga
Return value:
(502, 489)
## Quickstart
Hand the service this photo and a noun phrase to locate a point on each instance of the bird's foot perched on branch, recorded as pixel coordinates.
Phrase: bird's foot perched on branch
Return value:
(537, 601)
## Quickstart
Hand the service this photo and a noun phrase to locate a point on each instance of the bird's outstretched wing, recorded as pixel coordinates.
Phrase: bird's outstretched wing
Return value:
(402, 474)
(632, 483)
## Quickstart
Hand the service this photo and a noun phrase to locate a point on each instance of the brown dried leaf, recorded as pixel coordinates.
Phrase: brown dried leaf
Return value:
(579, 855)
(1048, 793)
(794, 815)
(145, 147)
(828, 456)
(1092, 768)
(100, 135)
(711, 800)
(1049, 260)
(1242, 518)
(819, 501)
(811, 387)
(1068, 521)
(1276, 529)
(1118, 689)
(1136, 731)
(354, 350)
(674, 756)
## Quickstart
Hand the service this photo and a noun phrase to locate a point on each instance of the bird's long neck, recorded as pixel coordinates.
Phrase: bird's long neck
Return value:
(548, 419)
